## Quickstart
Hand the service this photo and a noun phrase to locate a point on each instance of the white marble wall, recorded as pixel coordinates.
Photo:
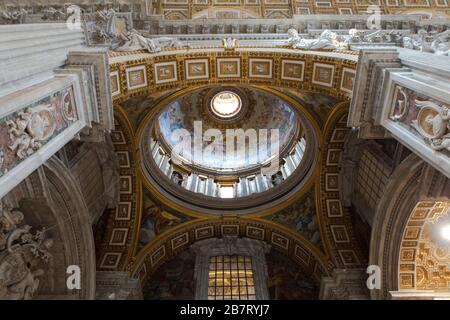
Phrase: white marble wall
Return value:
(29, 58)
(380, 71)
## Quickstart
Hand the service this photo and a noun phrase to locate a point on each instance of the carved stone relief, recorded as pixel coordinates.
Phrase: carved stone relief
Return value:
(428, 118)
(24, 256)
(26, 131)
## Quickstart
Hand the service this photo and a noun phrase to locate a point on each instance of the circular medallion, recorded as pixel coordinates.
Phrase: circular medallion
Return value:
(42, 125)
(430, 123)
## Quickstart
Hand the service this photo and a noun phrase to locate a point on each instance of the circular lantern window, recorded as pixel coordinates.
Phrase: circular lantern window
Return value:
(226, 104)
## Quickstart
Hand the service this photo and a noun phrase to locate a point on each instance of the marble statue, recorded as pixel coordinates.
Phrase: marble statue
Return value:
(411, 43)
(416, 41)
(379, 36)
(108, 18)
(327, 40)
(14, 17)
(442, 143)
(105, 27)
(133, 40)
(20, 254)
(277, 179)
(441, 43)
(53, 14)
(177, 178)
(354, 35)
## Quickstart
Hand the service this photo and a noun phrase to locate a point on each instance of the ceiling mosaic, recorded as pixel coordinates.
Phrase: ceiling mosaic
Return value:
(302, 218)
(319, 105)
(156, 219)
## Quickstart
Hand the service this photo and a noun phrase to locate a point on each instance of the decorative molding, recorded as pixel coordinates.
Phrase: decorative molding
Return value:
(307, 256)
(281, 69)
(345, 284)
(117, 286)
(369, 91)
(121, 236)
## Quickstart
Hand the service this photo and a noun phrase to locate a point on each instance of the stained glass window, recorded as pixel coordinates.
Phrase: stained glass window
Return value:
(231, 278)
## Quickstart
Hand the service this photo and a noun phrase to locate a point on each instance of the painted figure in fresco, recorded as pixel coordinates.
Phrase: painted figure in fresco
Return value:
(154, 222)
(286, 281)
(302, 218)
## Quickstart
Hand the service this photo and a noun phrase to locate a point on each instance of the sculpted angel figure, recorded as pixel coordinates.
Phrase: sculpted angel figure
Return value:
(17, 16)
(23, 142)
(441, 43)
(442, 143)
(327, 40)
(53, 14)
(354, 35)
(21, 253)
(109, 19)
(135, 41)
(410, 43)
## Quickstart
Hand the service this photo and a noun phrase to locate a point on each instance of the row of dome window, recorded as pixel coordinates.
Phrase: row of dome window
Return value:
(245, 186)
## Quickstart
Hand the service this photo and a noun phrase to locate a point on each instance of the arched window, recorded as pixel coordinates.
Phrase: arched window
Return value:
(231, 268)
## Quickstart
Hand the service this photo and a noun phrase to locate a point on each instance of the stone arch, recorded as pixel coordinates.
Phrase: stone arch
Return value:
(334, 217)
(72, 221)
(409, 184)
(121, 235)
(179, 239)
(56, 222)
(396, 204)
(424, 257)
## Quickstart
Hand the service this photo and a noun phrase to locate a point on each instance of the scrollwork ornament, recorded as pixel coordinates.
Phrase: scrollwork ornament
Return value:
(400, 105)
